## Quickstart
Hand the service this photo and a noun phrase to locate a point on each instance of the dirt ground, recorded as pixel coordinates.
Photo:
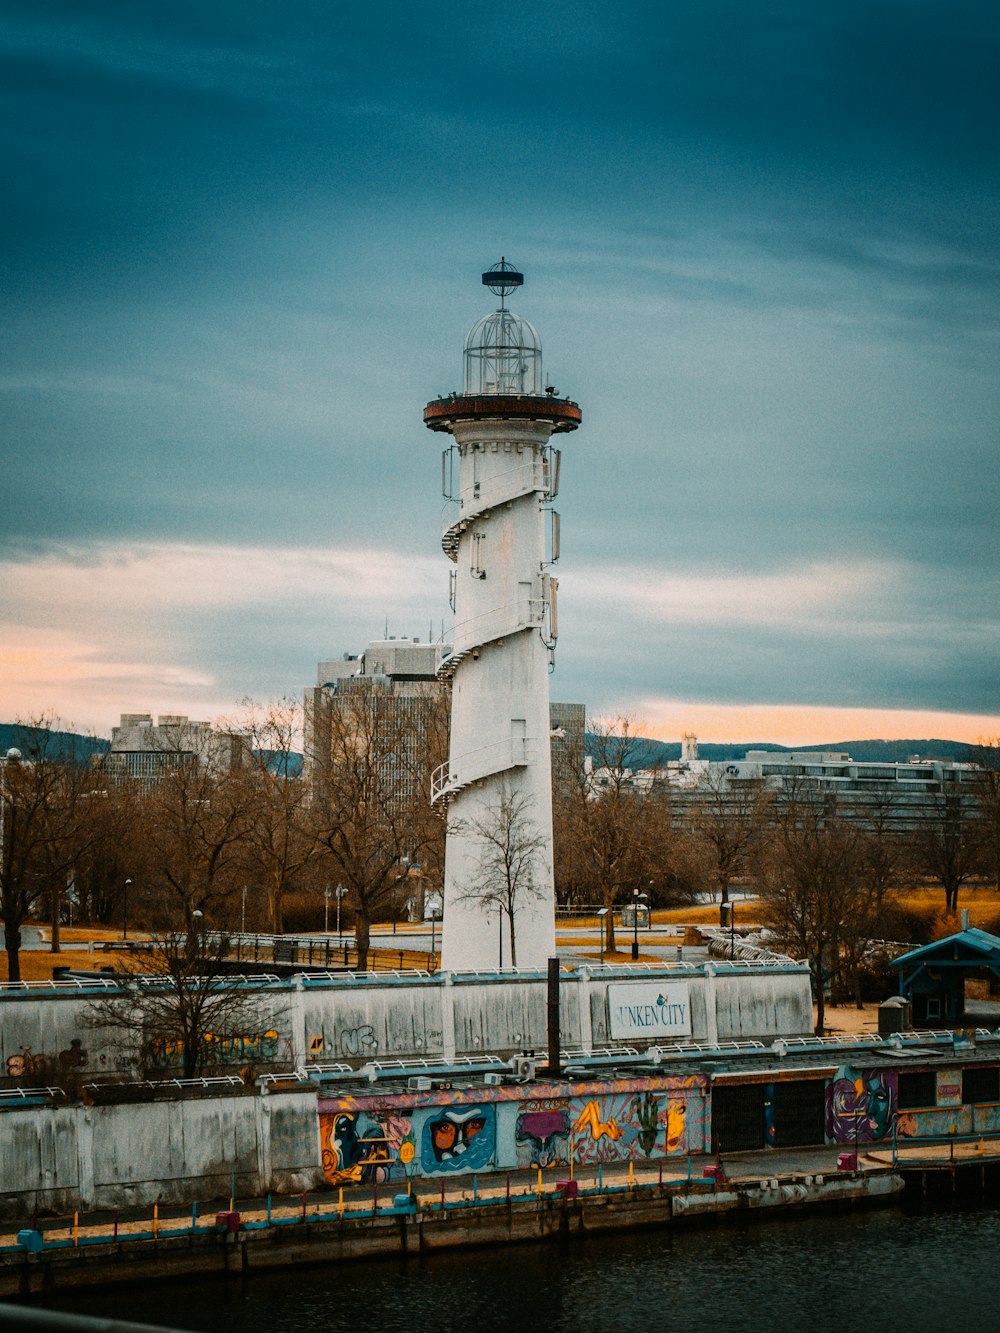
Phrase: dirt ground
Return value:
(849, 1020)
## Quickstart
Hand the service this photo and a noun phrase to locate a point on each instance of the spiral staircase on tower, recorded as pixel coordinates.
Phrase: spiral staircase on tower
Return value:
(532, 476)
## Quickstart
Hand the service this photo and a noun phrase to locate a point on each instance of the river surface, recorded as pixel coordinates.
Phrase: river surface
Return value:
(883, 1269)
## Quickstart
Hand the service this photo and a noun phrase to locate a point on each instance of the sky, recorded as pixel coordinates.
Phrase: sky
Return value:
(241, 246)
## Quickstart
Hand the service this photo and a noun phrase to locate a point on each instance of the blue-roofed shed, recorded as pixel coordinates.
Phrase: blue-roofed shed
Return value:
(933, 978)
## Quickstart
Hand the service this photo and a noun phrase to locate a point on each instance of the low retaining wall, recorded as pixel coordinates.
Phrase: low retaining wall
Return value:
(63, 1158)
(406, 1231)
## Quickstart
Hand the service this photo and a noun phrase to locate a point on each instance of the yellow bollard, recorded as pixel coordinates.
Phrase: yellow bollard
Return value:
(631, 1175)
(539, 1182)
(340, 1202)
(76, 1228)
(156, 1220)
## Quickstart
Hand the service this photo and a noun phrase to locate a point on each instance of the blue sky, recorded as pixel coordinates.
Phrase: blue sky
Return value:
(241, 246)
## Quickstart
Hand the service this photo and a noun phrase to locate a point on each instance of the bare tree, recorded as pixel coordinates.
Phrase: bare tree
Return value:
(511, 848)
(812, 881)
(882, 850)
(40, 794)
(110, 849)
(177, 1007)
(371, 788)
(281, 842)
(730, 815)
(196, 821)
(987, 756)
(612, 825)
(948, 843)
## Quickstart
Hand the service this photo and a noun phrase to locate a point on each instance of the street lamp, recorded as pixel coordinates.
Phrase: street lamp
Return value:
(197, 917)
(435, 913)
(128, 885)
(728, 915)
(326, 910)
(11, 757)
(601, 914)
(340, 893)
(637, 898)
(404, 861)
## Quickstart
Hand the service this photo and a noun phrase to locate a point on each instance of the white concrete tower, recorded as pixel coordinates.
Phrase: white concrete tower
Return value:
(501, 473)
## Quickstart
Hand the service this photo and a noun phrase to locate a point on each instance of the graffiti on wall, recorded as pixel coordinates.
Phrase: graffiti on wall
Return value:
(217, 1048)
(541, 1134)
(27, 1062)
(861, 1106)
(364, 1148)
(458, 1138)
(461, 1130)
(24, 1063)
(638, 1125)
(359, 1041)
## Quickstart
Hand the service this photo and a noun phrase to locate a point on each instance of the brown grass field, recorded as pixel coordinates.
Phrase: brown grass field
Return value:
(981, 900)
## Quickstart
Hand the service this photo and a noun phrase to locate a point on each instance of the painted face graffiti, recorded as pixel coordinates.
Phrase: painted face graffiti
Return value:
(459, 1139)
(861, 1109)
(676, 1125)
(360, 1150)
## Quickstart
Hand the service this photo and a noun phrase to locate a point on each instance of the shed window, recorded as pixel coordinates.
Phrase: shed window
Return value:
(917, 1090)
(981, 1085)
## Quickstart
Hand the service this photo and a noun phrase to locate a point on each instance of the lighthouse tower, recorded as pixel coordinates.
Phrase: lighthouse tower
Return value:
(501, 473)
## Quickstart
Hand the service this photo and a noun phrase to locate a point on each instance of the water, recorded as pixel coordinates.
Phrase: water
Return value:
(887, 1268)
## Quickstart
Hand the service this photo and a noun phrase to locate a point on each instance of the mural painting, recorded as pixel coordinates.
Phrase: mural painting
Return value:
(458, 1138)
(637, 1125)
(541, 1134)
(861, 1106)
(364, 1148)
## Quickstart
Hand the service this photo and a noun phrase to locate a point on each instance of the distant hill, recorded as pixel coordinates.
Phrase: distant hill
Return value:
(59, 745)
(654, 752)
(82, 748)
(651, 751)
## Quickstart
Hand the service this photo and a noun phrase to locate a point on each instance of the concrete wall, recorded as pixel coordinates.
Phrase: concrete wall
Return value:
(409, 1017)
(63, 1158)
(59, 1158)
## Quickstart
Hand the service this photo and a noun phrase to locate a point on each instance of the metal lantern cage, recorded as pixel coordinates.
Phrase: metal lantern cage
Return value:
(503, 355)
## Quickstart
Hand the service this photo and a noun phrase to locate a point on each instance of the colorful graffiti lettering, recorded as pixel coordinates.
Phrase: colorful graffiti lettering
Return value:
(23, 1063)
(861, 1108)
(541, 1134)
(458, 1138)
(217, 1049)
(364, 1149)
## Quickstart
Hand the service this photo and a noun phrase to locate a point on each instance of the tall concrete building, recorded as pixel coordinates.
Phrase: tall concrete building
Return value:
(405, 672)
(502, 473)
(146, 751)
(399, 676)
